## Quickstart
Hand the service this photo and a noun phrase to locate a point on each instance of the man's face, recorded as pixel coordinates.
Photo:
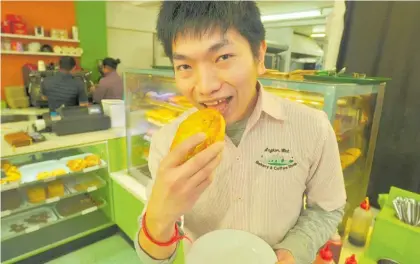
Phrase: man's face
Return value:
(218, 71)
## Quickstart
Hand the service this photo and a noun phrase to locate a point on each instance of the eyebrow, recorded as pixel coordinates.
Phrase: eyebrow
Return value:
(215, 47)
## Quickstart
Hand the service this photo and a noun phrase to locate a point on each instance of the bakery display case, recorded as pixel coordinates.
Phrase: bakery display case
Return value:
(53, 197)
(353, 109)
(151, 102)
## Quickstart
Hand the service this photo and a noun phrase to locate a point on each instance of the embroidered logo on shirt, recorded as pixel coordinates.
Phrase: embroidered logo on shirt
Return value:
(276, 159)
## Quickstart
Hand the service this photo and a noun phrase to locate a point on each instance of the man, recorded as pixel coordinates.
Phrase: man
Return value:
(62, 88)
(217, 50)
(110, 85)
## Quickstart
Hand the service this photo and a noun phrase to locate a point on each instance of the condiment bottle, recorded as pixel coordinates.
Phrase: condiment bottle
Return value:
(335, 245)
(342, 226)
(360, 224)
(351, 260)
(325, 256)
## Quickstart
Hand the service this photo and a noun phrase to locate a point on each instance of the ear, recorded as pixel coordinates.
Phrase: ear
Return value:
(261, 57)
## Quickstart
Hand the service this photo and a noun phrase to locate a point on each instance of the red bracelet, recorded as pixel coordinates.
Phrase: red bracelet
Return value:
(175, 238)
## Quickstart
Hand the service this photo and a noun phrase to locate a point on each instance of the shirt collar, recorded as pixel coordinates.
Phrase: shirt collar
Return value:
(267, 103)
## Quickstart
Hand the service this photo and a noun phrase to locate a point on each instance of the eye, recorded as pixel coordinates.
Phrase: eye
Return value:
(224, 57)
(183, 67)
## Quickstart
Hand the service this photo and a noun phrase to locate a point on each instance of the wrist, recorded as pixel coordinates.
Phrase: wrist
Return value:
(160, 229)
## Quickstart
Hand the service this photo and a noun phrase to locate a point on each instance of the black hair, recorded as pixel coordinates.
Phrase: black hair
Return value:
(110, 62)
(200, 17)
(67, 63)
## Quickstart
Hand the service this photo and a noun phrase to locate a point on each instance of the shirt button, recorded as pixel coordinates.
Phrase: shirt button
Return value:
(238, 158)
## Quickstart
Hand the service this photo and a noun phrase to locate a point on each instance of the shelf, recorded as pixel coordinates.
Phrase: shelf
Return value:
(59, 220)
(167, 105)
(154, 122)
(15, 185)
(24, 247)
(38, 38)
(29, 53)
(28, 206)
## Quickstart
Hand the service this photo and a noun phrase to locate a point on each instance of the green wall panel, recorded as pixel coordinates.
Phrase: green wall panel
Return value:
(117, 154)
(91, 21)
(127, 209)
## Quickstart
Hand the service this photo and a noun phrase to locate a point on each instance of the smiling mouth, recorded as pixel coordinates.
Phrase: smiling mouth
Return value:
(216, 103)
(220, 105)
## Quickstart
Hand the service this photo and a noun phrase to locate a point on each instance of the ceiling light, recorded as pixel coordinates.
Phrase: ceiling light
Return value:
(289, 16)
(317, 35)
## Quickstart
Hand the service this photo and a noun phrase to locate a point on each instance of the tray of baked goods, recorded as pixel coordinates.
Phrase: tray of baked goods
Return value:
(87, 183)
(83, 162)
(17, 200)
(42, 170)
(27, 222)
(35, 219)
(77, 205)
(16, 176)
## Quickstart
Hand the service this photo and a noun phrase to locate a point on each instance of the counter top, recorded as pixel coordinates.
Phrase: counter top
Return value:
(53, 141)
(24, 111)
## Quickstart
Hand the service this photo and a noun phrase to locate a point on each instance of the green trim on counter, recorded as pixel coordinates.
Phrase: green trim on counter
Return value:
(91, 22)
(127, 209)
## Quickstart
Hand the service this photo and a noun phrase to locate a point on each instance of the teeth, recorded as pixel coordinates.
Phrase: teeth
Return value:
(215, 102)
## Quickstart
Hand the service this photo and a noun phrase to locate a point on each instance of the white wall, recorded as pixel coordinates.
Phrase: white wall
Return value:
(130, 34)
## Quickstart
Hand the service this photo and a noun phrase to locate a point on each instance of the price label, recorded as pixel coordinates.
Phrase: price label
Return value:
(278, 84)
(32, 229)
(52, 200)
(5, 213)
(92, 188)
(89, 210)
(49, 179)
(91, 168)
(9, 186)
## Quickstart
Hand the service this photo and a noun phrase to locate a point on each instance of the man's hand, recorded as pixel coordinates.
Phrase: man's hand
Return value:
(285, 257)
(179, 184)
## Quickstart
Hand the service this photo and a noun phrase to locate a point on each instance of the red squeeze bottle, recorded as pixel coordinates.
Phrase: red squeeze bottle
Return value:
(351, 260)
(325, 256)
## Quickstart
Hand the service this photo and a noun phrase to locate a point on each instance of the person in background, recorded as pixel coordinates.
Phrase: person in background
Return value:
(110, 85)
(63, 89)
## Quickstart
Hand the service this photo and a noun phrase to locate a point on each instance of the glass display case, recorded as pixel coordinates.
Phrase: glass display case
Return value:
(53, 197)
(353, 110)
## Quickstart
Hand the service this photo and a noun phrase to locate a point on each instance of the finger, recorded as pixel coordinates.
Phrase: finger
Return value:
(177, 155)
(200, 160)
(202, 187)
(203, 175)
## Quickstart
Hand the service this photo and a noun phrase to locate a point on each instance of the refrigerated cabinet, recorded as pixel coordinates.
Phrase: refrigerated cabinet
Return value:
(53, 197)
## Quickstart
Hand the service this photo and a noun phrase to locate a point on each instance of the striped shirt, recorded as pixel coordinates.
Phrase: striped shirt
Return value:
(63, 89)
(286, 152)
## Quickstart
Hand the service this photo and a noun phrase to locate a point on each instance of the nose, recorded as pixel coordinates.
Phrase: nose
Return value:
(208, 82)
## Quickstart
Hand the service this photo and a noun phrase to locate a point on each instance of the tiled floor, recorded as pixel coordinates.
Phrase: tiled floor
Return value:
(113, 250)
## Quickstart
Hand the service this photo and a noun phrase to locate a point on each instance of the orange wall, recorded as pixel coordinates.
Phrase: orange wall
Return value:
(49, 14)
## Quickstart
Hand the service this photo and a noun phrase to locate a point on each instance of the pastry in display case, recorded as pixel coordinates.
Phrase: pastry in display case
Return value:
(352, 105)
(53, 192)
